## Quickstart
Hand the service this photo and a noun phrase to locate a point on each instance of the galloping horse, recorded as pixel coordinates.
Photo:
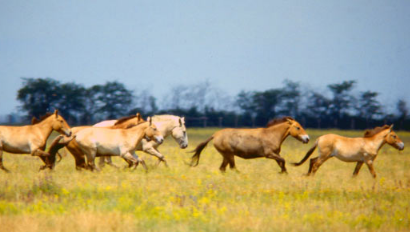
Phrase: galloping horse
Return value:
(167, 125)
(253, 143)
(72, 146)
(361, 150)
(118, 142)
(31, 139)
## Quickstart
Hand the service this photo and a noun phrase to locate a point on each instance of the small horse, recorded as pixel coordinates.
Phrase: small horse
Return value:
(31, 139)
(361, 150)
(73, 148)
(167, 125)
(118, 142)
(253, 143)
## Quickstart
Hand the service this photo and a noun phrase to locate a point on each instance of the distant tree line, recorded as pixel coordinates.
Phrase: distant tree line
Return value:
(204, 105)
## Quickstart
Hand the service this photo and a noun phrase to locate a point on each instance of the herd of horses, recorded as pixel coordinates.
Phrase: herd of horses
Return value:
(125, 136)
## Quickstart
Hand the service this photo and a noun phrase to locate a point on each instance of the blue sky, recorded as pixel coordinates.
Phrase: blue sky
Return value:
(235, 45)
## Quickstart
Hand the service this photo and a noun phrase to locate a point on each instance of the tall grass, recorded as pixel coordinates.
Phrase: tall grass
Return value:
(181, 198)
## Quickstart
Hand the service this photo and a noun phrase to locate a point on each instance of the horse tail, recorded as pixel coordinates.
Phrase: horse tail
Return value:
(307, 155)
(198, 150)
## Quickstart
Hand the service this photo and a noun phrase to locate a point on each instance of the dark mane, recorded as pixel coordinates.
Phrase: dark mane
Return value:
(34, 120)
(134, 125)
(372, 132)
(278, 121)
(123, 119)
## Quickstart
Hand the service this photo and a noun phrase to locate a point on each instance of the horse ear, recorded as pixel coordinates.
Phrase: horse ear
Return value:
(180, 121)
(149, 119)
(138, 116)
(290, 121)
(391, 127)
(56, 113)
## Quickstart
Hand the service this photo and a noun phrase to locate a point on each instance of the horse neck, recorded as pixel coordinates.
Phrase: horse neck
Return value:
(377, 141)
(44, 127)
(280, 131)
(135, 134)
(165, 127)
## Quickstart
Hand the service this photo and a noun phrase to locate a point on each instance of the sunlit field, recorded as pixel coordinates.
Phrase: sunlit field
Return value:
(181, 198)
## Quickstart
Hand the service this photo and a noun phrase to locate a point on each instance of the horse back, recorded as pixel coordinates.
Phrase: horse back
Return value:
(242, 142)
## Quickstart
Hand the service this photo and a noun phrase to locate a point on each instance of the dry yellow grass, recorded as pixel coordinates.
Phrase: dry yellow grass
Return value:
(181, 198)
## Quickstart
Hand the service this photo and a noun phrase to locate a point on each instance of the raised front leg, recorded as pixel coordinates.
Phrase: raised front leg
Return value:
(156, 153)
(357, 169)
(39, 152)
(279, 160)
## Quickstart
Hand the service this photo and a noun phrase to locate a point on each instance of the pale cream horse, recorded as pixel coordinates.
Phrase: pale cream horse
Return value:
(167, 125)
(253, 143)
(31, 139)
(360, 150)
(118, 142)
(72, 146)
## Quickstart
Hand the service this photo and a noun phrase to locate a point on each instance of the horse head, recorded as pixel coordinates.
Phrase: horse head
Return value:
(297, 131)
(152, 133)
(59, 124)
(393, 139)
(179, 133)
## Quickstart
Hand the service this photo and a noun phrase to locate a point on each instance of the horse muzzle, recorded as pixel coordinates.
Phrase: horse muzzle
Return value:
(67, 133)
(400, 146)
(305, 138)
(183, 145)
(159, 139)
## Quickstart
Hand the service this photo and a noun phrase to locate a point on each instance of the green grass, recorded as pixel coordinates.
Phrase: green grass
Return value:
(180, 198)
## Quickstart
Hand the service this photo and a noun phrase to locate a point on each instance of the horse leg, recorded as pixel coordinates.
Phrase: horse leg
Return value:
(319, 161)
(369, 164)
(1, 160)
(312, 161)
(91, 154)
(39, 152)
(231, 159)
(279, 160)
(224, 164)
(101, 162)
(156, 153)
(357, 169)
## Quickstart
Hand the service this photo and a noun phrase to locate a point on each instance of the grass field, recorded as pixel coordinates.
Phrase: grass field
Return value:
(180, 198)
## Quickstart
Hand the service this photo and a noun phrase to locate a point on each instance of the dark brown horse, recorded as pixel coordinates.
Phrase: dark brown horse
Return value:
(253, 143)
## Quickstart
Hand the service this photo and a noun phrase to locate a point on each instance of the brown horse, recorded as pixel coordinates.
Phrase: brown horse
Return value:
(118, 142)
(361, 150)
(73, 148)
(253, 143)
(31, 139)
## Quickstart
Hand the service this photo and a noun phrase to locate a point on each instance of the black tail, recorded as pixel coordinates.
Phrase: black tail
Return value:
(307, 155)
(198, 150)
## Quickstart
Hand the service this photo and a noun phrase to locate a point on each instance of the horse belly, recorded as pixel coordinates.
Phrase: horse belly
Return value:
(108, 150)
(348, 157)
(16, 148)
(247, 148)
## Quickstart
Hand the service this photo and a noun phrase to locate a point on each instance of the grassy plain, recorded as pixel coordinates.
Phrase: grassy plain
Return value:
(180, 198)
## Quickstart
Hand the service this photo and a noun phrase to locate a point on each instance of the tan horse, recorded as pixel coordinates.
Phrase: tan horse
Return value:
(361, 150)
(31, 139)
(119, 142)
(253, 143)
(73, 148)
